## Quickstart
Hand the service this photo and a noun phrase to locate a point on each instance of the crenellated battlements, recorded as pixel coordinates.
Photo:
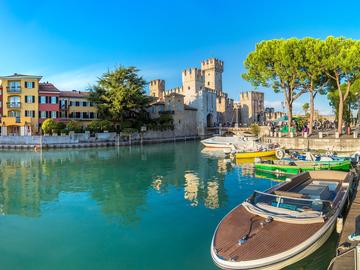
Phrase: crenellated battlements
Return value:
(193, 74)
(251, 95)
(177, 90)
(157, 88)
(212, 63)
(157, 82)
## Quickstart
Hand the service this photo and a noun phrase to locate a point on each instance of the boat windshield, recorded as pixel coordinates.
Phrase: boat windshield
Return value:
(284, 204)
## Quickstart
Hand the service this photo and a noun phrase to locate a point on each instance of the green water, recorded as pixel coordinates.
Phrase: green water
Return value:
(151, 207)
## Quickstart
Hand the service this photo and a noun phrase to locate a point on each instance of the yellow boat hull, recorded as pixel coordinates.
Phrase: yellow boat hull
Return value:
(269, 153)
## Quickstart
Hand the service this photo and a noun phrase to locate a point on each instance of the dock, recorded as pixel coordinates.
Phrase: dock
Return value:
(347, 261)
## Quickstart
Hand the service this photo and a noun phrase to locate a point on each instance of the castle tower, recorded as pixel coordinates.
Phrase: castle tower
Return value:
(157, 88)
(193, 81)
(213, 69)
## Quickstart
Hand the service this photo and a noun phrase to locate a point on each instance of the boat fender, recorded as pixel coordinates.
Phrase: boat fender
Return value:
(257, 160)
(339, 224)
(279, 153)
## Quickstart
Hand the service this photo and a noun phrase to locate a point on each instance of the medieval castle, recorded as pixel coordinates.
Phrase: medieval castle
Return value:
(202, 90)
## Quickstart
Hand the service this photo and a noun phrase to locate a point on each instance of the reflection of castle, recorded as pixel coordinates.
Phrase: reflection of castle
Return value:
(212, 199)
(191, 188)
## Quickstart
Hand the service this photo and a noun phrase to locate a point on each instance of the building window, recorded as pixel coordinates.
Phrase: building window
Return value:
(84, 104)
(77, 103)
(91, 115)
(14, 86)
(42, 100)
(43, 114)
(29, 113)
(71, 103)
(53, 100)
(30, 85)
(91, 104)
(14, 113)
(85, 115)
(208, 83)
(53, 114)
(29, 99)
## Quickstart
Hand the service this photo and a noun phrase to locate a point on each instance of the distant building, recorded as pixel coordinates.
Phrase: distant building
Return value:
(183, 115)
(272, 115)
(25, 103)
(251, 107)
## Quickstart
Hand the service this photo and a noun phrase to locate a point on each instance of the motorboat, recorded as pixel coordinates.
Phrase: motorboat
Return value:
(228, 143)
(296, 166)
(255, 154)
(284, 224)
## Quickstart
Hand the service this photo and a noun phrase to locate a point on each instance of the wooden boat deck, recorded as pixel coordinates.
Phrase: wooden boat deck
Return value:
(347, 262)
(262, 242)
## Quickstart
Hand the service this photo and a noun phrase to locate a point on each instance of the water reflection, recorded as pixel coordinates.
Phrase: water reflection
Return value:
(119, 180)
(106, 208)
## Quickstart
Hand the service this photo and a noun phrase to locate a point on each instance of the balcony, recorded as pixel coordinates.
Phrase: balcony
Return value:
(14, 105)
(13, 89)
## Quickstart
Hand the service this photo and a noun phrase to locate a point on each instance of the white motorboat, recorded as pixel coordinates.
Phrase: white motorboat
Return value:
(282, 225)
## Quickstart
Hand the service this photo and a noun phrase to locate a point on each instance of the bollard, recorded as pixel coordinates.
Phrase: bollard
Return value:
(291, 134)
(320, 135)
(337, 136)
(305, 134)
(355, 135)
(280, 134)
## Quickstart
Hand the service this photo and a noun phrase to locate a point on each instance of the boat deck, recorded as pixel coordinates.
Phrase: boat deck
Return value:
(232, 229)
(347, 262)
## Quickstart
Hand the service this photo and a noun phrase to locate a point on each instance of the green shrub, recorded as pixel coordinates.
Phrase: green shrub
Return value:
(48, 126)
(100, 126)
(59, 126)
(74, 126)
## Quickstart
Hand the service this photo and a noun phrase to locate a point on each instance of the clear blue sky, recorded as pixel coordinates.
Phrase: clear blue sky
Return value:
(70, 43)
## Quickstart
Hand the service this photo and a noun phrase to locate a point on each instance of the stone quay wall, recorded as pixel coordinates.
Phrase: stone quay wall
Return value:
(76, 140)
(325, 144)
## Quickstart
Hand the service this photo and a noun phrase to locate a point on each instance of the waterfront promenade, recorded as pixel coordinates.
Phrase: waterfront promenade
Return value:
(84, 140)
(347, 261)
(341, 144)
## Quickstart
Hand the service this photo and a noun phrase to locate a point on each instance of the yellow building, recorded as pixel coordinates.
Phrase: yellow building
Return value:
(20, 95)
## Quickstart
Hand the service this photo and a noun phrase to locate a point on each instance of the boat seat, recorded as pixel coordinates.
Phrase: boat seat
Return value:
(289, 194)
(295, 182)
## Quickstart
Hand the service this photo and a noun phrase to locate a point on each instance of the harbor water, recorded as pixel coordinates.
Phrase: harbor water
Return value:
(150, 207)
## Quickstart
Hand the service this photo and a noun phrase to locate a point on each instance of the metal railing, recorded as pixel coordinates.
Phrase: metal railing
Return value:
(14, 104)
(12, 89)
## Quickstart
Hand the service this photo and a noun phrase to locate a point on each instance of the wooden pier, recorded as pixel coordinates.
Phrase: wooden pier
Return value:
(347, 261)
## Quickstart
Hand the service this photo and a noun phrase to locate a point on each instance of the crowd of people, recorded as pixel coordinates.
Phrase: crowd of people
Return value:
(303, 126)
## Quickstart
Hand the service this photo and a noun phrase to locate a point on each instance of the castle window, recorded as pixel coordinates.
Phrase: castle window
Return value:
(208, 83)
(188, 87)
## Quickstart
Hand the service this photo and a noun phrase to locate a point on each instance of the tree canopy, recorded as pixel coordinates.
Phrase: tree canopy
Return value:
(120, 95)
(277, 64)
(295, 66)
